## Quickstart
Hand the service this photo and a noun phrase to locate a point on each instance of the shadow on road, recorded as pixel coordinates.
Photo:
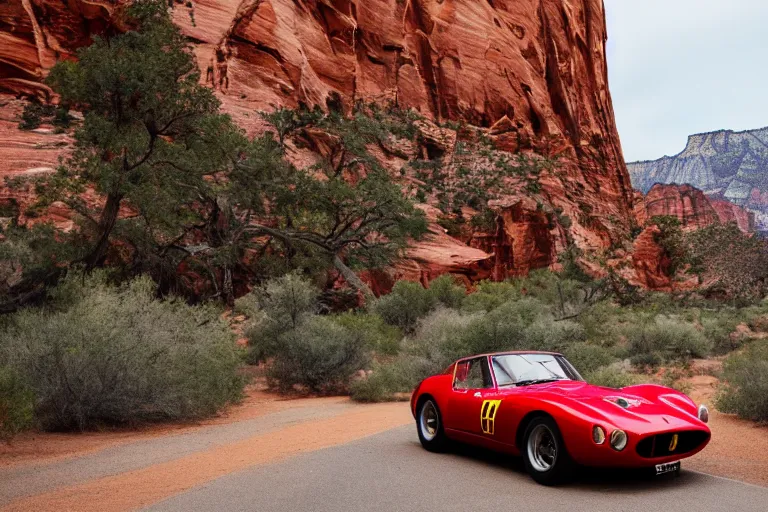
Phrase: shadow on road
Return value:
(591, 479)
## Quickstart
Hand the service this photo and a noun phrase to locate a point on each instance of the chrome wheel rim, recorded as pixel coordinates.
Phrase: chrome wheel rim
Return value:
(429, 421)
(542, 448)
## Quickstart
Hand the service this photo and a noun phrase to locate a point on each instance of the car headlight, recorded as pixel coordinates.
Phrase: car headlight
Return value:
(618, 440)
(703, 413)
(598, 434)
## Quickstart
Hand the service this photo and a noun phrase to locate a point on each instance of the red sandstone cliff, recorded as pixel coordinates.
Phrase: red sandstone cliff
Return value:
(693, 208)
(532, 71)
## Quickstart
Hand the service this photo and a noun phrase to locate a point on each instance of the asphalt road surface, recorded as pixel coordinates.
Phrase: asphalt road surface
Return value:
(391, 472)
(336, 456)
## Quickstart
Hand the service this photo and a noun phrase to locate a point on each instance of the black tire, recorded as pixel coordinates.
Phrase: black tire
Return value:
(431, 433)
(552, 465)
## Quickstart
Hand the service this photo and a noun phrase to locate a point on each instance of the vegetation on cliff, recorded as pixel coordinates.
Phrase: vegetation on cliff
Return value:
(160, 182)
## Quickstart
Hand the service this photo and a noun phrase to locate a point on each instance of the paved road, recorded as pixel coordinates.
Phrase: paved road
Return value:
(337, 457)
(391, 472)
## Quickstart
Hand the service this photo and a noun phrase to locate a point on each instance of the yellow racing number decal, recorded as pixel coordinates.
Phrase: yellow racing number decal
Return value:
(488, 415)
(673, 443)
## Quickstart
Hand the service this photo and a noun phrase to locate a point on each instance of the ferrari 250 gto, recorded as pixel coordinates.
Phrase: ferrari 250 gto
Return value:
(536, 404)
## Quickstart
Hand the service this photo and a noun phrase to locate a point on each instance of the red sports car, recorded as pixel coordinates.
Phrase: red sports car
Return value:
(536, 404)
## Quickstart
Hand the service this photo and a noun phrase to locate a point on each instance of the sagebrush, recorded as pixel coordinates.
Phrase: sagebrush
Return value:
(116, 355)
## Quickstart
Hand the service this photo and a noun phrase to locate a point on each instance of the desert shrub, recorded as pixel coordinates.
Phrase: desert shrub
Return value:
(668, 337)
(745, 383)
(376, 335)
(447, 291)
(547, 333)
(281, 303)
(33, 114)
(16, 404)
(263, 335)
(318, 354)
(407, 303)
(115, 355)
(602, 323)
(286, 299)
(385, 381)
(611, 377)
(587, 358)
(489, 295)
(719, 328)
(524, 324)
(440, 339)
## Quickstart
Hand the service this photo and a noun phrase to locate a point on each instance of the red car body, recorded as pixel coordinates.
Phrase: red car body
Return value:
(662, 424)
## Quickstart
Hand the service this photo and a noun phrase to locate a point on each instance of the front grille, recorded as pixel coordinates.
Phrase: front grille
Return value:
(660, 444)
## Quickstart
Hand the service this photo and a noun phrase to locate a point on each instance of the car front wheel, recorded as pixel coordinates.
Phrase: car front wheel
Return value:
(429, 423)
(544, 452)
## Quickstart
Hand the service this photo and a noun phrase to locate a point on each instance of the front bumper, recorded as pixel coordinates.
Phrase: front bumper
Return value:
(643, 450)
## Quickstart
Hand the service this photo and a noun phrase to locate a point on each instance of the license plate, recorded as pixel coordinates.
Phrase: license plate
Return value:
(669, 467)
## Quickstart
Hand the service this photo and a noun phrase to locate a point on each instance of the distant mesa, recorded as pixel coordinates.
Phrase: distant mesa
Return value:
(726, 165)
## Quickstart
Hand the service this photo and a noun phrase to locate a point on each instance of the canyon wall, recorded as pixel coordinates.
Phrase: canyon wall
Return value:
(531, 72)
(693, 208)
(728, 166)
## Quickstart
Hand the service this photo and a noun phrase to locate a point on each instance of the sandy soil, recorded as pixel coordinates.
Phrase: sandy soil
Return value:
(739, 448)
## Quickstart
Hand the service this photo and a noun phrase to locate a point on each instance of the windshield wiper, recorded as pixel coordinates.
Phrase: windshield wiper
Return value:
(535, 381)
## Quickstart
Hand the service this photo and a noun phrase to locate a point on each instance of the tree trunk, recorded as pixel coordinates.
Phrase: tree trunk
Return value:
(106, 225)
(227, 288)
(349, 275)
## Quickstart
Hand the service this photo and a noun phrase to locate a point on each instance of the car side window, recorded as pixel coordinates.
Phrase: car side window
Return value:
(473, 374)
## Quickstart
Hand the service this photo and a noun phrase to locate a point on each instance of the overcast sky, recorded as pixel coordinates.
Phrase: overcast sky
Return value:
(679, 67)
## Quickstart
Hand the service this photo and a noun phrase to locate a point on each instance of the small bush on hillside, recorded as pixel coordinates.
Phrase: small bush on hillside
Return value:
(602, 323)
(547, 333)
(407, 303)
(524, 324)
(719, 327)
(670, 338)
(263, 335)
(447, 291)
(16, 404)
(587, 358)
(107, 355)
(745, 383)
(489, 295)
(280, 304)
(376, 335)
(320, 355)
(286, 299)
(399, 376)
(440, 339)
(610, 377)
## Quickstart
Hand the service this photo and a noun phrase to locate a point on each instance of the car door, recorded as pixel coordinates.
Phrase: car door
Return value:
(471, 407)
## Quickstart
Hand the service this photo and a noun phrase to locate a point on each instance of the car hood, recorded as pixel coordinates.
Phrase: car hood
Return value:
(642, 408)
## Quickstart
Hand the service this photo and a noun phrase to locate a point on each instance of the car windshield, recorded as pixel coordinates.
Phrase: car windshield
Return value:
(524, 369)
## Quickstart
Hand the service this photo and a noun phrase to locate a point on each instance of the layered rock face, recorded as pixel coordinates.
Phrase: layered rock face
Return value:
(693, 208)
(531, 71)
(730, 166)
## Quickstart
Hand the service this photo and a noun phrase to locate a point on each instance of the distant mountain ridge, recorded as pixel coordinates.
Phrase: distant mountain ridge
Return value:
(724, 164)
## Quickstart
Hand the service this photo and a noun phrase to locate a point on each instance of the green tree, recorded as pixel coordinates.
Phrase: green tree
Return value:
(346, 210)
(150, 136)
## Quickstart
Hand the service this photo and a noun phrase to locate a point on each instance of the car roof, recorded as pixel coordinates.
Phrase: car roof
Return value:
(509, 353)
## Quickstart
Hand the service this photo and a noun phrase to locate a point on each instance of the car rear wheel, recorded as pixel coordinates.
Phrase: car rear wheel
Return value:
(429, 423)
(546, 459)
